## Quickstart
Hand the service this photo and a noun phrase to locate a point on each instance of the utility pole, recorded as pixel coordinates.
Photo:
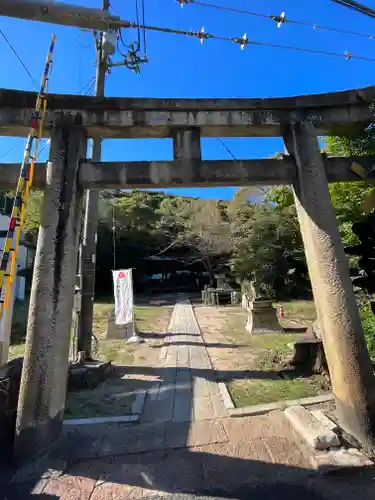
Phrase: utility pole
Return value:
(87, 253)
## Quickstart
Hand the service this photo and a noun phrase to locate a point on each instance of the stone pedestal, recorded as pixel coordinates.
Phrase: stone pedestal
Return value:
(262, 318)
(118, 331)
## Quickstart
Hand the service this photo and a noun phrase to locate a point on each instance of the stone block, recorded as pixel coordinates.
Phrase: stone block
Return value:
(118, 331)
(343, 459)
(88, 375)
(316, 434)
(325, 420)
(262, 318)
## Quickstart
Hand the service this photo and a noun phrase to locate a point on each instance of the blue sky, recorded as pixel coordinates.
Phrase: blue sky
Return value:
(181, 67)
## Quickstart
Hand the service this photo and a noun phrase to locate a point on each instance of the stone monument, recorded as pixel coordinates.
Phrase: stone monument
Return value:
(262, 316)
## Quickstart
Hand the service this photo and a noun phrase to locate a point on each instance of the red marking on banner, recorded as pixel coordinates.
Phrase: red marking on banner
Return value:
(121, 275)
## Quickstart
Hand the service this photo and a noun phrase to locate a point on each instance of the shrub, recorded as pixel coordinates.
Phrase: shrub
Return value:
(368, 323)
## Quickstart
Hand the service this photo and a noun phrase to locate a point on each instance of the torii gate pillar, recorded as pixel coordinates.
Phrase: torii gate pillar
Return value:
(353, 382)
(45, 368)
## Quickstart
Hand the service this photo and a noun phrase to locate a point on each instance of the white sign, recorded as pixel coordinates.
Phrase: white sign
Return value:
(124, 303)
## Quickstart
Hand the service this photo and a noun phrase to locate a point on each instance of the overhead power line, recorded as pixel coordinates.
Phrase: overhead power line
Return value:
(244, 41)
(8, 152)
(356, 6)
(18, 57)
(278, 19)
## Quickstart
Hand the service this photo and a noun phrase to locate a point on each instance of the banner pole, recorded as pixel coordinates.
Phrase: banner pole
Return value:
(135, 338)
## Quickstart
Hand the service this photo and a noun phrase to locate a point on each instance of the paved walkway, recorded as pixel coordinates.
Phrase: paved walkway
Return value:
(187, 390)
(186, 448)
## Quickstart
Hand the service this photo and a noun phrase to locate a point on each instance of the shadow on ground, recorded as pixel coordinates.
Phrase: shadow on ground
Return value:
(208, 459)
(191, 474)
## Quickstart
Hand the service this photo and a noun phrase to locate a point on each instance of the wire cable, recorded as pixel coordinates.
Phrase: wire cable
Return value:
(9, 151)
(278, 19)
(357, 7)
(91, 88)
(18, 57)
(144, 31)
(261, 189)
(226, 148)
(243, 41)
(137, 18)
(88, 85)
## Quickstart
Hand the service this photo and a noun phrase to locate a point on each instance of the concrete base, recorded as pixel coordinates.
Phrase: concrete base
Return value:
(262, 318)
(135, 339)
(118, 331)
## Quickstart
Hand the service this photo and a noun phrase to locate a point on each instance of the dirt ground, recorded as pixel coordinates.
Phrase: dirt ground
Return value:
(115, 396)
(250, 365)
(228, 345)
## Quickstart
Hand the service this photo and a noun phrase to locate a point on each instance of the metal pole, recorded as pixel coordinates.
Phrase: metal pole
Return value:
(89, 238)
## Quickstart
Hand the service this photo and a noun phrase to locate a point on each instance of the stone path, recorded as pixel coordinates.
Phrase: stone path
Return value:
(186, 448)
(188, 390)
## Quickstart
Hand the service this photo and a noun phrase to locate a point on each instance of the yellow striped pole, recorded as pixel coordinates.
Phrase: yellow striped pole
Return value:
(11, 244)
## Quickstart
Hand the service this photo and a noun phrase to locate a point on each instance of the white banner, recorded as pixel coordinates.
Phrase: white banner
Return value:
(123, 289)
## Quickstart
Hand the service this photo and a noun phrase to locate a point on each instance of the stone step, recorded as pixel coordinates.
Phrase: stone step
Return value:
(318, 435)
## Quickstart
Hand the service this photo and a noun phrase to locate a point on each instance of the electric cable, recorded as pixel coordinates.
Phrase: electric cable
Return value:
(91, 88)
(260, 188)
(9, 151)
(357, 7)
(18, 57)
(88, 84)
(281, 19)
(137, 18)
(244, 41)
(144, 31)
(227, 149)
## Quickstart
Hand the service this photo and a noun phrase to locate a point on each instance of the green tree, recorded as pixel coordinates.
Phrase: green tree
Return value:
(199, 226)
(269, 251)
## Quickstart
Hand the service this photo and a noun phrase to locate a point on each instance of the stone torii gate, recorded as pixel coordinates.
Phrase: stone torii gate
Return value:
(299, 120)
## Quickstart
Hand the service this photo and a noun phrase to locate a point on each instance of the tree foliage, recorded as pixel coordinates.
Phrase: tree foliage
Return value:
(270, 250)
(239, 236)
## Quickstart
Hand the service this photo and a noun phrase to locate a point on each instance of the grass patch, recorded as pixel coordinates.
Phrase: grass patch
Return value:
(265, 353)
(115, 350)
(256, 392)
(278, 343)
(18, 332)
(115, 396)
(110, 399)
(302, 312)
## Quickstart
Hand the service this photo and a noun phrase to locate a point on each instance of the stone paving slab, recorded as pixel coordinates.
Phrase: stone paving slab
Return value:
(207, 457)
(256, 460)
(191, 434)
(118, 440)
(190, 396)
